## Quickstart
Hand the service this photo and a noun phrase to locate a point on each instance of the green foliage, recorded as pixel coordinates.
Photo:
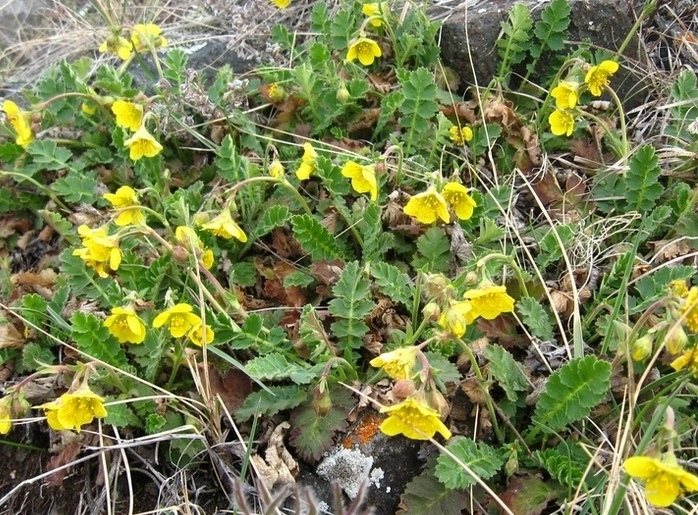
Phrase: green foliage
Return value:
(175, 66)
(483, 460)
(426, 495)
(434, 251)
(77, 187)
(92, 338)
(536, 318)
(315, 239)
(351, 306)
(275, 367)
(375, 242)
(571, 392)
(419, 93)
(392, 282)
(275, 216)
(641, 183)
(48, 156)
(551, 29)
(243, 273)
(506, 370)
(34, 356)
(513, 47)
(271, 401)
(565, 464)
(655, 285)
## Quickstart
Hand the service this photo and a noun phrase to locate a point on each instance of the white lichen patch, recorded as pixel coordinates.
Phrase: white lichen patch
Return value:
(375, 477)
(349, 467)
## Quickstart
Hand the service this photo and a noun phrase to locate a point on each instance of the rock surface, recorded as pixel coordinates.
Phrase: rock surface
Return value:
(475, 31)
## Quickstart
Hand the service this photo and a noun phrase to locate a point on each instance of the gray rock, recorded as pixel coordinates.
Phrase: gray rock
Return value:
(604, 23)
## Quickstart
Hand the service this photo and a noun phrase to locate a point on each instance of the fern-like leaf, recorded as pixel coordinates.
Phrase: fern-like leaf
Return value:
(572, 391)
(351, 305)
(434, 251)
(480, 458)
(393, 283)
(513, 47)
(93, 338)
(506, 370)
(275, 216)
(271, 401)
(552, 27)
(275, 366)
(642, 182)
(315, 239)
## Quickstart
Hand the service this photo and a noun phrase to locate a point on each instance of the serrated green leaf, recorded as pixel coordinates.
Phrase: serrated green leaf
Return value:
(33, 309)
(551, 29)
(275, 366)
(56, 221)
(121, 415)
(642, 180)
(315, 239)
(514, 45)
(154, 423)
(442, 369)
(175, 64)
(351, 304)
(564, 465)
(506, 370)
(274, 217)
(271, 402)
(149, 354)
(375, 242)
(243, 273)
(94, 339)
(312, 433)
(655, 285)
(298, 278)
(77, 187)
(392, 282)
(483, 460)
(48, 156)
(536, 318)
(313, 334)
(419, 90)
(33, 357)
(572, 391)
(426, 495)
(434, 251)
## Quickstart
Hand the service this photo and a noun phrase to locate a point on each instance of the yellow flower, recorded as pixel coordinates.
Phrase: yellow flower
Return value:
(460, 135)
(561, 122)
(689, 309)
(89, 108)
(281, 4)
(664, 479)
(688, 359)
(366, 50)
(455, 318)
(142, 144)
(414, 420)
(207, 259)
(19, 122)
(128, 114)
(307, 162)
(427, 206)
(488, 301)
(277, 93)
(5, 415)
(597, 77)
(398, 364)
(457, 195)
(125, 325)
(145, 35)
(376, 10)
(117, 45)
(565, 94)
(179, 319)
(74, 410)
(100, 251)
(276, 169)
(224, 226)
(188, 237)
(679, 288)
(196, 334)
(126, 199)
(363, 178)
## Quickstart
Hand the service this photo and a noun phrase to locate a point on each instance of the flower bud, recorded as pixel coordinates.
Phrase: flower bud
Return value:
(431, 312)
(277, 93)
(641, 348)
(471, 279)
(436, 400)
(180, 254)
(403, 389)
(322, 403)
(437, 286)
(676, 339)
(343, 95)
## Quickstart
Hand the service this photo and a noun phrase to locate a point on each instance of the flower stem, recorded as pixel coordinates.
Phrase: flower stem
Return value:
(512, 264)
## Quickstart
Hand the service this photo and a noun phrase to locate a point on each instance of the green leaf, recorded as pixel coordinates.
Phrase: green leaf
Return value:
(351, 304)
(298, 278)
(536, 318)
(572, 391)
(48, 156)
(120, 415)
(551, 29)
(33, 309)
(312, 332)
(175, 64)
(149, 354)
(375, 242)
(655, 285)
(275, 366)
(33, 357)
(389, 106)
(434, 251)
(243, 273)
(513, 47)
(154, 423)
(425, 495)
(93, 338)
(271, 402)
(642, 181)
(274, 217)
(482, 459)
(315, 239)
(231, 166)
(77, 187)
(506, 370)
(419, 90)
(313, 433)
(392, 282)
(442, 369)
(565, 466)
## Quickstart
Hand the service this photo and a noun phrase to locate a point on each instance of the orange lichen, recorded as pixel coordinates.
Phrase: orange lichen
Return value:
(364, 432)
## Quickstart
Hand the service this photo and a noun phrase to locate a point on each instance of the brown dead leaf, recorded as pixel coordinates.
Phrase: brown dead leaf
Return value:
(278, 465)
(503, 329)
(529, 495)
(464, 112)
(366, 120)
(66, 456)
(585, 151)
(233, 387)
(327, 272)
(666, 250)
(530, 139)
(10, 337)
(286, 110)
(45, 279)
(500, 111)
